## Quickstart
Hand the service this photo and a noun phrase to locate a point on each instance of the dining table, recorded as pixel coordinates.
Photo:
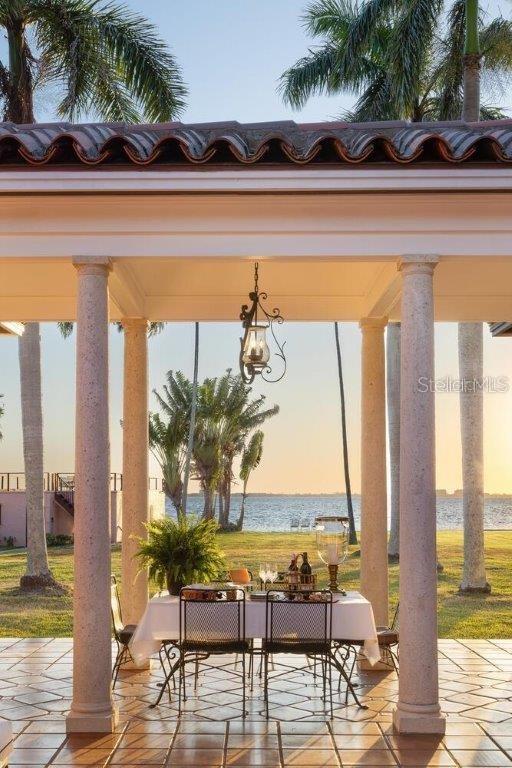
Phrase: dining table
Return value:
(352, 620)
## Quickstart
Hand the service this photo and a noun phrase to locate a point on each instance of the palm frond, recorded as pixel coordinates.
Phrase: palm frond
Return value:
(315, 74)
(488, 112)
(410, 48)
(251, 456)
(101, 51)
(372, 14)
(328, 17)
(66, 329)
(376, 103)
(496, 44)
(449, 70)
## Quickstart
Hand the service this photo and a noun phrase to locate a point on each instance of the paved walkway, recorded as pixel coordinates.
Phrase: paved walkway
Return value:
(476, 690)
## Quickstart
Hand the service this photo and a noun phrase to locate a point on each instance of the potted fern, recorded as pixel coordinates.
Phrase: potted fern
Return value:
(180, 552)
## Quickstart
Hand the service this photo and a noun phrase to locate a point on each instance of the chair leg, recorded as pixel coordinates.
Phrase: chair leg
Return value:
(330, 685)
(265, 686)
(115, 669)
(179, 685)
(122, 655)
(243, 684)
(347, 678)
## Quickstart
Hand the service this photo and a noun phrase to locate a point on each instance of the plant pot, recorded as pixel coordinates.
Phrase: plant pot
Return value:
(174, 587)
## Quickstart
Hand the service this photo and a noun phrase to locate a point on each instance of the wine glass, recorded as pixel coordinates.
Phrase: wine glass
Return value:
(263, 574)
(273, 573)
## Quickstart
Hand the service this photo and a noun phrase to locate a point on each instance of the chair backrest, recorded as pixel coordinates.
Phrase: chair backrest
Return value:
(212, 616)
(295, 620)
(115, 606)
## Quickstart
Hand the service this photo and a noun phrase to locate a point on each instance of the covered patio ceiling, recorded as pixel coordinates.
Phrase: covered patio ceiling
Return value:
(183, 211)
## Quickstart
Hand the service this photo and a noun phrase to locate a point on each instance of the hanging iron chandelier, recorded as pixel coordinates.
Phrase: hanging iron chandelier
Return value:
(254, 349)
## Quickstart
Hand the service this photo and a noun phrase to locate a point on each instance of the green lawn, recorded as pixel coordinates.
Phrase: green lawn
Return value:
(464, 617)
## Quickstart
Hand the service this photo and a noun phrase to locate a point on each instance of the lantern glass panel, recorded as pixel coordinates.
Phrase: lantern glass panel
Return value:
(256, 351)
(332, 539)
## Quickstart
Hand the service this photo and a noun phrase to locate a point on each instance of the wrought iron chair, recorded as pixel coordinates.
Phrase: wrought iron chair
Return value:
(388, 638)
(122, 633)
(348, 651)
(299, 625)
(212, 623)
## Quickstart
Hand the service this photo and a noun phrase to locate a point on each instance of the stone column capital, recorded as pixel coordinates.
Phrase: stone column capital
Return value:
(417, 263)
(92, 265)
(134, 323)
(373, 323)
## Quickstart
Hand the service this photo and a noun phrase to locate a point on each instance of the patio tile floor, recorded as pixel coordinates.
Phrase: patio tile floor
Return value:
(476, 695)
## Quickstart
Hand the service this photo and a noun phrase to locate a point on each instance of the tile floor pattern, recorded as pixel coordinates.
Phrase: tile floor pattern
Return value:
(476, 691)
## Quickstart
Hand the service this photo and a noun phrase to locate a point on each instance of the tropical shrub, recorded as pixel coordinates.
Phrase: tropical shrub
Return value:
(180, 552)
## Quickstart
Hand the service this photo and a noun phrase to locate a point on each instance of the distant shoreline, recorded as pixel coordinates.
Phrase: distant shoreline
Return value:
(442, 494)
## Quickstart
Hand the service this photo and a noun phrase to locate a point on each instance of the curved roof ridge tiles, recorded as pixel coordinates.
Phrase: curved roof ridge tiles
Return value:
(272, 142)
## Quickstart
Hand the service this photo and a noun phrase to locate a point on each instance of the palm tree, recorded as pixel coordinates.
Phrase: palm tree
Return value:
(104, 60)
(225, 417)
(251, 458)
(348, 488)
(168, 434)
(402, 59)
(240, 416)
(166, 443)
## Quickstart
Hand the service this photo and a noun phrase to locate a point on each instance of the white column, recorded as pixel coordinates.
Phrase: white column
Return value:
(393, 398)
(471, 372)
(374, 553)
(92, 708)
(418, 705)
(135, 467)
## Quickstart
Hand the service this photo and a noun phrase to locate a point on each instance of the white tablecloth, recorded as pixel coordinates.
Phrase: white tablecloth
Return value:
(352, 619)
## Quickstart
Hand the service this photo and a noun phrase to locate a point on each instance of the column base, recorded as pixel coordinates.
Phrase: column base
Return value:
(94, 721)
(415, 718)
(481, 590)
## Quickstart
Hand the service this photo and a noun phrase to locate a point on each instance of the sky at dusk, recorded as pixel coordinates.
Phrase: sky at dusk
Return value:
(232, 53)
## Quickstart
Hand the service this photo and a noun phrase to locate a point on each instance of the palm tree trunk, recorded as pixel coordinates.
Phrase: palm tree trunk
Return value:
(209, 503)
(19, 107)
(38, 573)
(472, 57)
(225, 497)
(393, 396)
(192, 425)
(348, 490)
(240, 521)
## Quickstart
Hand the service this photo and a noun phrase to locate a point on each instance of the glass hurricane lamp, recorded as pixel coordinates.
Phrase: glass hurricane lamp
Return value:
(332, 545)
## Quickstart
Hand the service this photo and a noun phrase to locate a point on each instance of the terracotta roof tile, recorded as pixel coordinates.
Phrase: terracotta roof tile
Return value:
(270, 143)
